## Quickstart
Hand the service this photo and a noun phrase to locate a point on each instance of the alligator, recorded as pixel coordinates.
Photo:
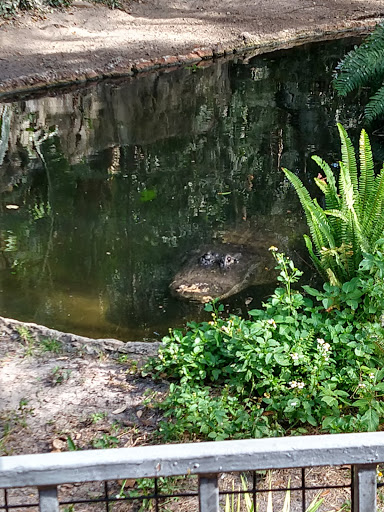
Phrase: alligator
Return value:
(220, 271)
(237, 258)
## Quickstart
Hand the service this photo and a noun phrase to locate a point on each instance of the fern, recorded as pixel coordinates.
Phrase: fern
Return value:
(375, 106)
(364, 66)
(354, 218)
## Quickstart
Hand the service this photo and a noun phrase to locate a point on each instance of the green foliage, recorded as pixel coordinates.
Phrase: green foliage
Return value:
(112, 4)
(353, 218)
(306, 360)
(51, 345)
(106, 441)
(10, 7)
(71, 444)
(58, 3)
(364, 66)
(27, 339)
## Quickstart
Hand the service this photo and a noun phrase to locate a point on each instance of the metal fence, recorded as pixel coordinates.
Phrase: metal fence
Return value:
(359, 454)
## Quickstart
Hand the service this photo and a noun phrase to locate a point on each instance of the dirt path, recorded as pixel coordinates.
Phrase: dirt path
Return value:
(86, 41)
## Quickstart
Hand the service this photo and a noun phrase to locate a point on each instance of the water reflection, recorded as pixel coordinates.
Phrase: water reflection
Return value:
(115, 184)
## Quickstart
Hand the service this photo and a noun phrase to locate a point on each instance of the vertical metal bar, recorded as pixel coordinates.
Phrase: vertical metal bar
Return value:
(48, 501)
(6, 500)
(208, 493)
(106, 493)
(364, 488)
(156, 496)
(254, 486)
(303, 501)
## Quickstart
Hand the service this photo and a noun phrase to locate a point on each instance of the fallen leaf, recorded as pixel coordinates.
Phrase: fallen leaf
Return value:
(119, 410)
(58, 444)
(129, 482)
(139, 414)
(12, 207)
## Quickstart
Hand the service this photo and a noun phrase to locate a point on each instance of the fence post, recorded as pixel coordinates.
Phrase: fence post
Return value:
(364, 488)
(208, 493)
(48, 499)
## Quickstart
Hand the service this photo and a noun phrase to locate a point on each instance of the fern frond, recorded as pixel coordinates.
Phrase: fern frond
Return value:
(361, 65)
(316, 219)
(336, 213)
(378, 230)
(374, 209)
(331, 197)
(349, 161)
(321, 222)
(367, 173)
(313, 256)
(375, 105)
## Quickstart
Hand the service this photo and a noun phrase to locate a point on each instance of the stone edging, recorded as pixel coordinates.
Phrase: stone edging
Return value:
(73, 342)
(120, 67)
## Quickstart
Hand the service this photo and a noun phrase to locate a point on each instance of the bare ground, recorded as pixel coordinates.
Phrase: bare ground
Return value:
(56, 388)
(88, 41)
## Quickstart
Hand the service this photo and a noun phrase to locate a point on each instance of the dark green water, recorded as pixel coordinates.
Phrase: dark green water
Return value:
(117, 182)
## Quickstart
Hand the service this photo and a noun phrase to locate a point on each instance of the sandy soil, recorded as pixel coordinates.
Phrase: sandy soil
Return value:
(88, 39)
(58, 389)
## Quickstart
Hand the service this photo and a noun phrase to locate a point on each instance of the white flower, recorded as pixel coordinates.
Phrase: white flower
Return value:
(362, 385)
(295, 356)
(293, 384)
(293, 404)
(271, 321)
(273, 248)
(300, 385)
(320, 341)
(371, 375)
(326, 347)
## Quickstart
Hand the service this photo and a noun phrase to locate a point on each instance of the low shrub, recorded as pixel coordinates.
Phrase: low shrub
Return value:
(307, 360)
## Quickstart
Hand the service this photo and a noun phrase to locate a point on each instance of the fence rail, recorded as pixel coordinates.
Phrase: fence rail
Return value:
(207, 460)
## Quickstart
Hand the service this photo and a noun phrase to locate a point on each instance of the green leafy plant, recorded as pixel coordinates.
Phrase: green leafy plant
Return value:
(27, 338)
(353, 219)
(309, 359)
(364, 66)
(71, 444)
(106, 441)
(98, 416)
(12, 420)
(59, 375)
(51, 345)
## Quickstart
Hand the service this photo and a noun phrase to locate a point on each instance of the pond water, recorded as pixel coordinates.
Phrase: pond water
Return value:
(106, 189)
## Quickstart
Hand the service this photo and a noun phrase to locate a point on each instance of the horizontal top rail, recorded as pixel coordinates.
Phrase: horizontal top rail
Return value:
(194, 458)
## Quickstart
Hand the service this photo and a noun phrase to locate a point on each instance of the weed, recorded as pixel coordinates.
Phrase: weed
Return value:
(71, 444)
(70, 508)
(105, 441)
(27, 338)
(59, 375)
(51, 345)
(98, 416)
(14, 419)
(123, 358)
